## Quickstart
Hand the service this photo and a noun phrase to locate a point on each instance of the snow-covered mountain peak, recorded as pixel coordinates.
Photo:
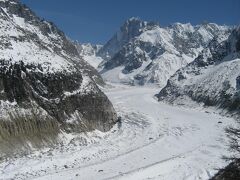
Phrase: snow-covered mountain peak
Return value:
(138, 25)
(87, 49)
(143, 52)
(130, 29)
(133, 19)
(181, 27)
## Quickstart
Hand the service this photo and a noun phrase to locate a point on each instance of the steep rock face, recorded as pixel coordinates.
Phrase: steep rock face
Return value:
(61, 95)
(129, 30)
(152, 53)
(231, 172)
(43, 80)
(212, 78)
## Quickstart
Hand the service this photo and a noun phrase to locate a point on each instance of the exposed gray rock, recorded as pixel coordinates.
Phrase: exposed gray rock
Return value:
(144, 52)
(129, 30)
(45, 86)
(87, 49)
(238, 83)
(212, 78)
(230, 172)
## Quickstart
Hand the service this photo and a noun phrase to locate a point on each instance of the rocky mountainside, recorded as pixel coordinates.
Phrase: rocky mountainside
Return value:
(45, 86)
(87, 49)
(213, 78)
(129, 30)
(144, 52)
(230, 172)
(88, 53)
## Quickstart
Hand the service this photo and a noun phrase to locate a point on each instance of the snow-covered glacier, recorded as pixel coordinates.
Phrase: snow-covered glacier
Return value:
(158, 114)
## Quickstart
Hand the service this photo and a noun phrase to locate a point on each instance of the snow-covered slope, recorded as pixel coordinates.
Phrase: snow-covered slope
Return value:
(88, 53)
(143, 52)
(45, 86)
(212, 78)
(153, 141)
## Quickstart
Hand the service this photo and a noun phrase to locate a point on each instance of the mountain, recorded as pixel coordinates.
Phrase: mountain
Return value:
(88, 53)
(88, 49)
(45, 86)
(213, 78)
(129, 30)
(145, 53)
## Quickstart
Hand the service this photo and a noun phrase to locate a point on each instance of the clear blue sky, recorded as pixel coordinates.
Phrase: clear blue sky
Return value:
(96, 21)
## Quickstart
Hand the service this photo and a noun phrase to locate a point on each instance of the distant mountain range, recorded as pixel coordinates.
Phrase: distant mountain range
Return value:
(213, 78)
(189, 62)
(146, 53)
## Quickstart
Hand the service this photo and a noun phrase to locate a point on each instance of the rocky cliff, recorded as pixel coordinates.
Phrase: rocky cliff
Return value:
(45, 86)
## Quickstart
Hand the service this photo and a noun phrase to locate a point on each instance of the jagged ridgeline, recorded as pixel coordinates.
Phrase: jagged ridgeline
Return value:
(45, 86)
(143, 53)
(213, 78)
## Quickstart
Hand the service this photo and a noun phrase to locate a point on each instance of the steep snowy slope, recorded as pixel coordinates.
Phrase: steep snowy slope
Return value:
(88, 53)
(212, 78)
(45, 87)
(144, 52)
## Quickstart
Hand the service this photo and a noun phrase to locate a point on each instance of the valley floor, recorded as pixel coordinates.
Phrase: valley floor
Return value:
(154, 141)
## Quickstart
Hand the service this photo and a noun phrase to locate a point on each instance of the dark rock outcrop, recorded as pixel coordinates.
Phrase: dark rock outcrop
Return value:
(45, 86)
(238, 82)
(60, 95)
(230, 172)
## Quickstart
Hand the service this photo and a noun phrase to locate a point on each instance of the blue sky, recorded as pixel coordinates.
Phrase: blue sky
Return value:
(96, 21)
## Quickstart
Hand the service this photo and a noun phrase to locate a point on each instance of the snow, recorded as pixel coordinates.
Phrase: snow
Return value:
(86, 87)
(154, 141)
(88, 53)
(114, 75)
(158, 36)
(94, 61)
(17, 46)
(183, 28)
(165, 49)
(226, 71)
(211, 80)
(74, 118)
(205, 34)
(117, 76)
(9, 109)
(163, 67)
(21, 52)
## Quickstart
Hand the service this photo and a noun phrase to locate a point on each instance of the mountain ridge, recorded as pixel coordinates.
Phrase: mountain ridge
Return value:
(45, 86)
(212, 78)
(150, 54)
